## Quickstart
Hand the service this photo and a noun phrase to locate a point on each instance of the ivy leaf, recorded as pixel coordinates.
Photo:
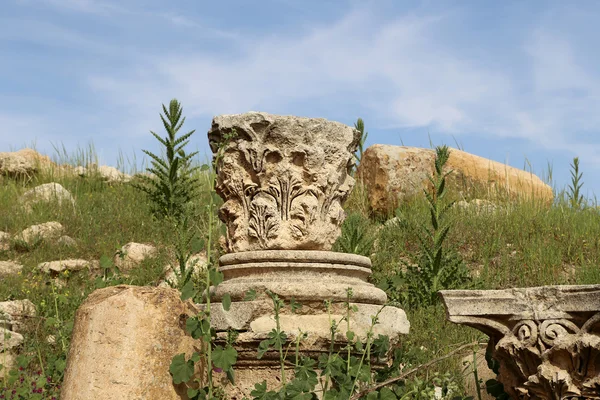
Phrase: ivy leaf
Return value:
(204, 167)
(216, 277)
(224, 358)
(180, 369)
(350, 336)
(188, 291)
(226, 302)
(106, 262)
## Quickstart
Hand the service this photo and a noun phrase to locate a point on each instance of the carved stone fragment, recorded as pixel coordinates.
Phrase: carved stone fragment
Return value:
(283, 179)
(546, 339)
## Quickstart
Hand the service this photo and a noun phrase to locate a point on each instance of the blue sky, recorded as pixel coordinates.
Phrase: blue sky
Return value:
(514, 81)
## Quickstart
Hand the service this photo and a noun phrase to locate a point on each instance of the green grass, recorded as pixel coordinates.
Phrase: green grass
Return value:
(522, 244)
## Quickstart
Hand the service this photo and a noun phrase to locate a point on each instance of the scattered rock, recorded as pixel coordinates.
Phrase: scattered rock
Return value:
(105, 172)
(197, 262)
(132, 254)
(47, 193)
(8, 361)
(118, 329)
(4, 241)
(478, 206)
(23, 163)
(56, 267)
(9, 339)
(9, 268)
(14, 314)
(393, 174)
(45, 231)
(66, 241)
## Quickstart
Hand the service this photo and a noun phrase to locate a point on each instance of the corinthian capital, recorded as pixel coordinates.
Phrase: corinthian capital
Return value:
(546, 339)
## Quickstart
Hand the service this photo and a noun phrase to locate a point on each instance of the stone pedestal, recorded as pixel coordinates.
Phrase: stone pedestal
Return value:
(546, 339)
(309, 278)
(284, 180)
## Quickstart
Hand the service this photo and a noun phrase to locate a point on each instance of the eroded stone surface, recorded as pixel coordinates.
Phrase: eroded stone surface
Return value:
(15, 313)
(546, 339)
(124, 339)
(56, 267)
(23, 163)
(48, 192)
(45, 231)
(132, 254)
(393, 174)
(283, 179)
(9, 340)
(9, 268)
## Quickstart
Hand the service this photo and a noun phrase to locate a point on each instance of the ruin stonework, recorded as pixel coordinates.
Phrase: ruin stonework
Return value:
(546, 339)
(283, 180)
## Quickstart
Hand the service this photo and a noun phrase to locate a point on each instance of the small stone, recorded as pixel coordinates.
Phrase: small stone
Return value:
(13, 314)
(132, 254)
(56, 267)
(9, 339)
(8, 361)
(45, 231)
(9, 268)
(46, 193)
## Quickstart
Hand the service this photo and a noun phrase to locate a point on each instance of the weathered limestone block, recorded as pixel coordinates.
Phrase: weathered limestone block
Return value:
(123, 342)
(9, 268)
(132, 254)
(73, 265)
(46, 231)
(48, 192)
(546, 339)
(14, 314)
(393, 174)
(283, 179)
(24, 163)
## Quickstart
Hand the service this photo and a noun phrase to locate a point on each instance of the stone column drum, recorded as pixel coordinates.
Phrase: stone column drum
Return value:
(284, 180)
(546, 339)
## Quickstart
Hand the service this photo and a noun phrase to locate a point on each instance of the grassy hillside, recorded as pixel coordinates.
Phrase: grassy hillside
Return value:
(519, 244)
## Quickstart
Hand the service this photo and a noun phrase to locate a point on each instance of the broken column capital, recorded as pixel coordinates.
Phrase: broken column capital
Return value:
(545, 339)
(283, 179)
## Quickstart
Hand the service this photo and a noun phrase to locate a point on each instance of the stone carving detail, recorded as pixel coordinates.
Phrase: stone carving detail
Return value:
(547, 339)
(283, 179)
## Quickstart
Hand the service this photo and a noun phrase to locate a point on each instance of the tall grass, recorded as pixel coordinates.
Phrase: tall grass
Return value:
(522, 243)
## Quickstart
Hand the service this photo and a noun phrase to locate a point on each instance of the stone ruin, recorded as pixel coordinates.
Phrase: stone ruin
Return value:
(284, 180)
(545, 339)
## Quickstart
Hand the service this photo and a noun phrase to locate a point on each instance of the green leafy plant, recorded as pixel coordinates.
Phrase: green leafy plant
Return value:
(438, 268)
(360, 126)
(215, 357)
(357, 236)
(172, 184)
(573, 193)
